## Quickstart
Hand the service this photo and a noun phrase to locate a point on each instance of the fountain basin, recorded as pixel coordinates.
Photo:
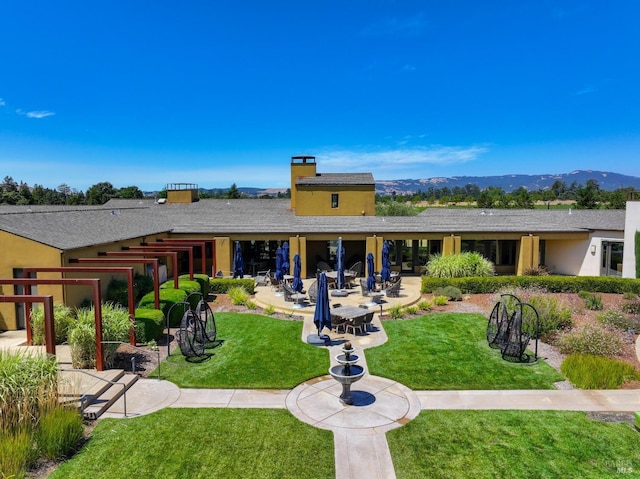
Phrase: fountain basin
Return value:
(346, 375)
(343, 359)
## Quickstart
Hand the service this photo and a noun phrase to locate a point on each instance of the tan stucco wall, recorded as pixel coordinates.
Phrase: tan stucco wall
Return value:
(353, 201)
(299, 170)
(17, 252)
(182, 196)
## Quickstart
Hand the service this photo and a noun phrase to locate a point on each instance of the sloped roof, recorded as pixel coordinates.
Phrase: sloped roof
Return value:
(75, 227)
(336, 179)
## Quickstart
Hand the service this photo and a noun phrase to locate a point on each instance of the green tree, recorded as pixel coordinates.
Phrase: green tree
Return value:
(130, 193)
(522, 198)
(233, 192)
(100, 193)
(587, 197)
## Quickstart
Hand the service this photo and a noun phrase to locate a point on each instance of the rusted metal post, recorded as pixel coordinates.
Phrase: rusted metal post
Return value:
(49, 326)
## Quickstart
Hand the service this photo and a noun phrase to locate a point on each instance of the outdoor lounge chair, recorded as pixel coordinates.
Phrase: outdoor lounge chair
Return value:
(262, 278)
(322, 266)
(338, 323)
(356, 324)
(393, 289)
(356, 269)
(292, 295)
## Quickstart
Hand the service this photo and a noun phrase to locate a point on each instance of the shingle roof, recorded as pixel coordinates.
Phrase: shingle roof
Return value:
(74, 227)
(336, 179)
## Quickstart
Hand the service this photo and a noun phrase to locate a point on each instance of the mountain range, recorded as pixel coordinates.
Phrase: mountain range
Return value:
(606, 180)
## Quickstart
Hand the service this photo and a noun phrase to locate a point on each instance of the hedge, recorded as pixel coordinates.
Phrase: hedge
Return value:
(202, 279)
(553, 284)
(222, 285)
(150, 324)
(168, 297)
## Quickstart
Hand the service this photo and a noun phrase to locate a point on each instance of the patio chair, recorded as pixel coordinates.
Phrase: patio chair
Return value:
(356, 269)
(368, 318)
(262, 278)
(356, 324)
(313, 292)
(393, 289)
(323, 266)
(338, 322)
(273, 282)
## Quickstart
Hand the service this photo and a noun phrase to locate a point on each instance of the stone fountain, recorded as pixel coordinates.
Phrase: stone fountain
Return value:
(346, 372)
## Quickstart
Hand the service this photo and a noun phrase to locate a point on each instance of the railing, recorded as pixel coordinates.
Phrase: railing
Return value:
(133, 359)
(84, 397)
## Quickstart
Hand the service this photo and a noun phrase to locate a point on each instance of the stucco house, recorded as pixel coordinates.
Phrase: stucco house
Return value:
(322, 208)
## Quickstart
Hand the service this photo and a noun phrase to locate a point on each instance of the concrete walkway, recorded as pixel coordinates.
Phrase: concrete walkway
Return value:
(380, 404)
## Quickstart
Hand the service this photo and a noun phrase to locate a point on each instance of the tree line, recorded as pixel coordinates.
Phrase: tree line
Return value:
(588, 196)
(14, 193)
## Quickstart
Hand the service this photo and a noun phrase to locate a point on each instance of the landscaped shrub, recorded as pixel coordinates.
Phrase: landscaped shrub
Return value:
(595, 372)
(62, 320)
(411, 310)
(618, 320)
(202, 279)
(425, 305)
(168, 298)
(452, 293)
(118, 290)
(629, 295)
(583, 294)
(222, 285)
(238, 295)
(396, 311)
(552, 316)
(59, 430)
(82, 336)
(187, 286)
(440, 300)
(632, 307)
(459, 265)
(594, 302)
(270, 310)
(535, 271)
(150, 324)
(590, 339)
(27, 383)
(553, 284)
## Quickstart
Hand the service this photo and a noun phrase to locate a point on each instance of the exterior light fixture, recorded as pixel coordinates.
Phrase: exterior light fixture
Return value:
(593, 249)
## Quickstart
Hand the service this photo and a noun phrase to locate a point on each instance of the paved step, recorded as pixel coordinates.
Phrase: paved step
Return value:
(95, 389)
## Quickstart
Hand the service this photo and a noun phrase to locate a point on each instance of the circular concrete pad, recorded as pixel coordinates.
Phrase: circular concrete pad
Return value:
(379, 405)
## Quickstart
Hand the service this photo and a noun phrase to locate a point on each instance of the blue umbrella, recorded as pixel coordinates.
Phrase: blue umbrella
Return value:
(297, 268)
(371, 278)
(322, 314)
(279, 273)
(340, 264)
(238, 263)
(285, 258)
(385, 272)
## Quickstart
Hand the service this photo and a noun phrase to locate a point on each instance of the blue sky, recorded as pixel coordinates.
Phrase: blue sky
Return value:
(215, 92)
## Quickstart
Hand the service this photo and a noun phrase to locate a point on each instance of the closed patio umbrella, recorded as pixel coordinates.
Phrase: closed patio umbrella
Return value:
(322, 313)
(297, 268)
(371, 278)
(238, 263)
(385, 272)
(285, 258)
(279, 272)
(340, 265)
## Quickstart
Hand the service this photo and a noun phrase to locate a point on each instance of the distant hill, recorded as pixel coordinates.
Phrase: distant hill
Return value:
(607, 181)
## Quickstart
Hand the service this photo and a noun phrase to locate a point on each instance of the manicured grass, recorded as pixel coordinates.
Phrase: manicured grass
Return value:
(256, 352)
(513, 444)
(204, 443)
(449, 351)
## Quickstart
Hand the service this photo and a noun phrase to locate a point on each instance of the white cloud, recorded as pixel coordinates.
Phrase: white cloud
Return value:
(398, 161)
(39, 114)
(586, 90)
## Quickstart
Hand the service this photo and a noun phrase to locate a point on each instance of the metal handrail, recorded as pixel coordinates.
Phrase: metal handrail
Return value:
(124, 387)
(139, 349)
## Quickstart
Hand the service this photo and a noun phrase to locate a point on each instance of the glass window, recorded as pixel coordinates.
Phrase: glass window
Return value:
(334, 200)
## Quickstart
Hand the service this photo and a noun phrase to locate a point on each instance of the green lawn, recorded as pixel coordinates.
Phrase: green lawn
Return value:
(204, 443)
(449, 351)
(513, 444)
(257, 352)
